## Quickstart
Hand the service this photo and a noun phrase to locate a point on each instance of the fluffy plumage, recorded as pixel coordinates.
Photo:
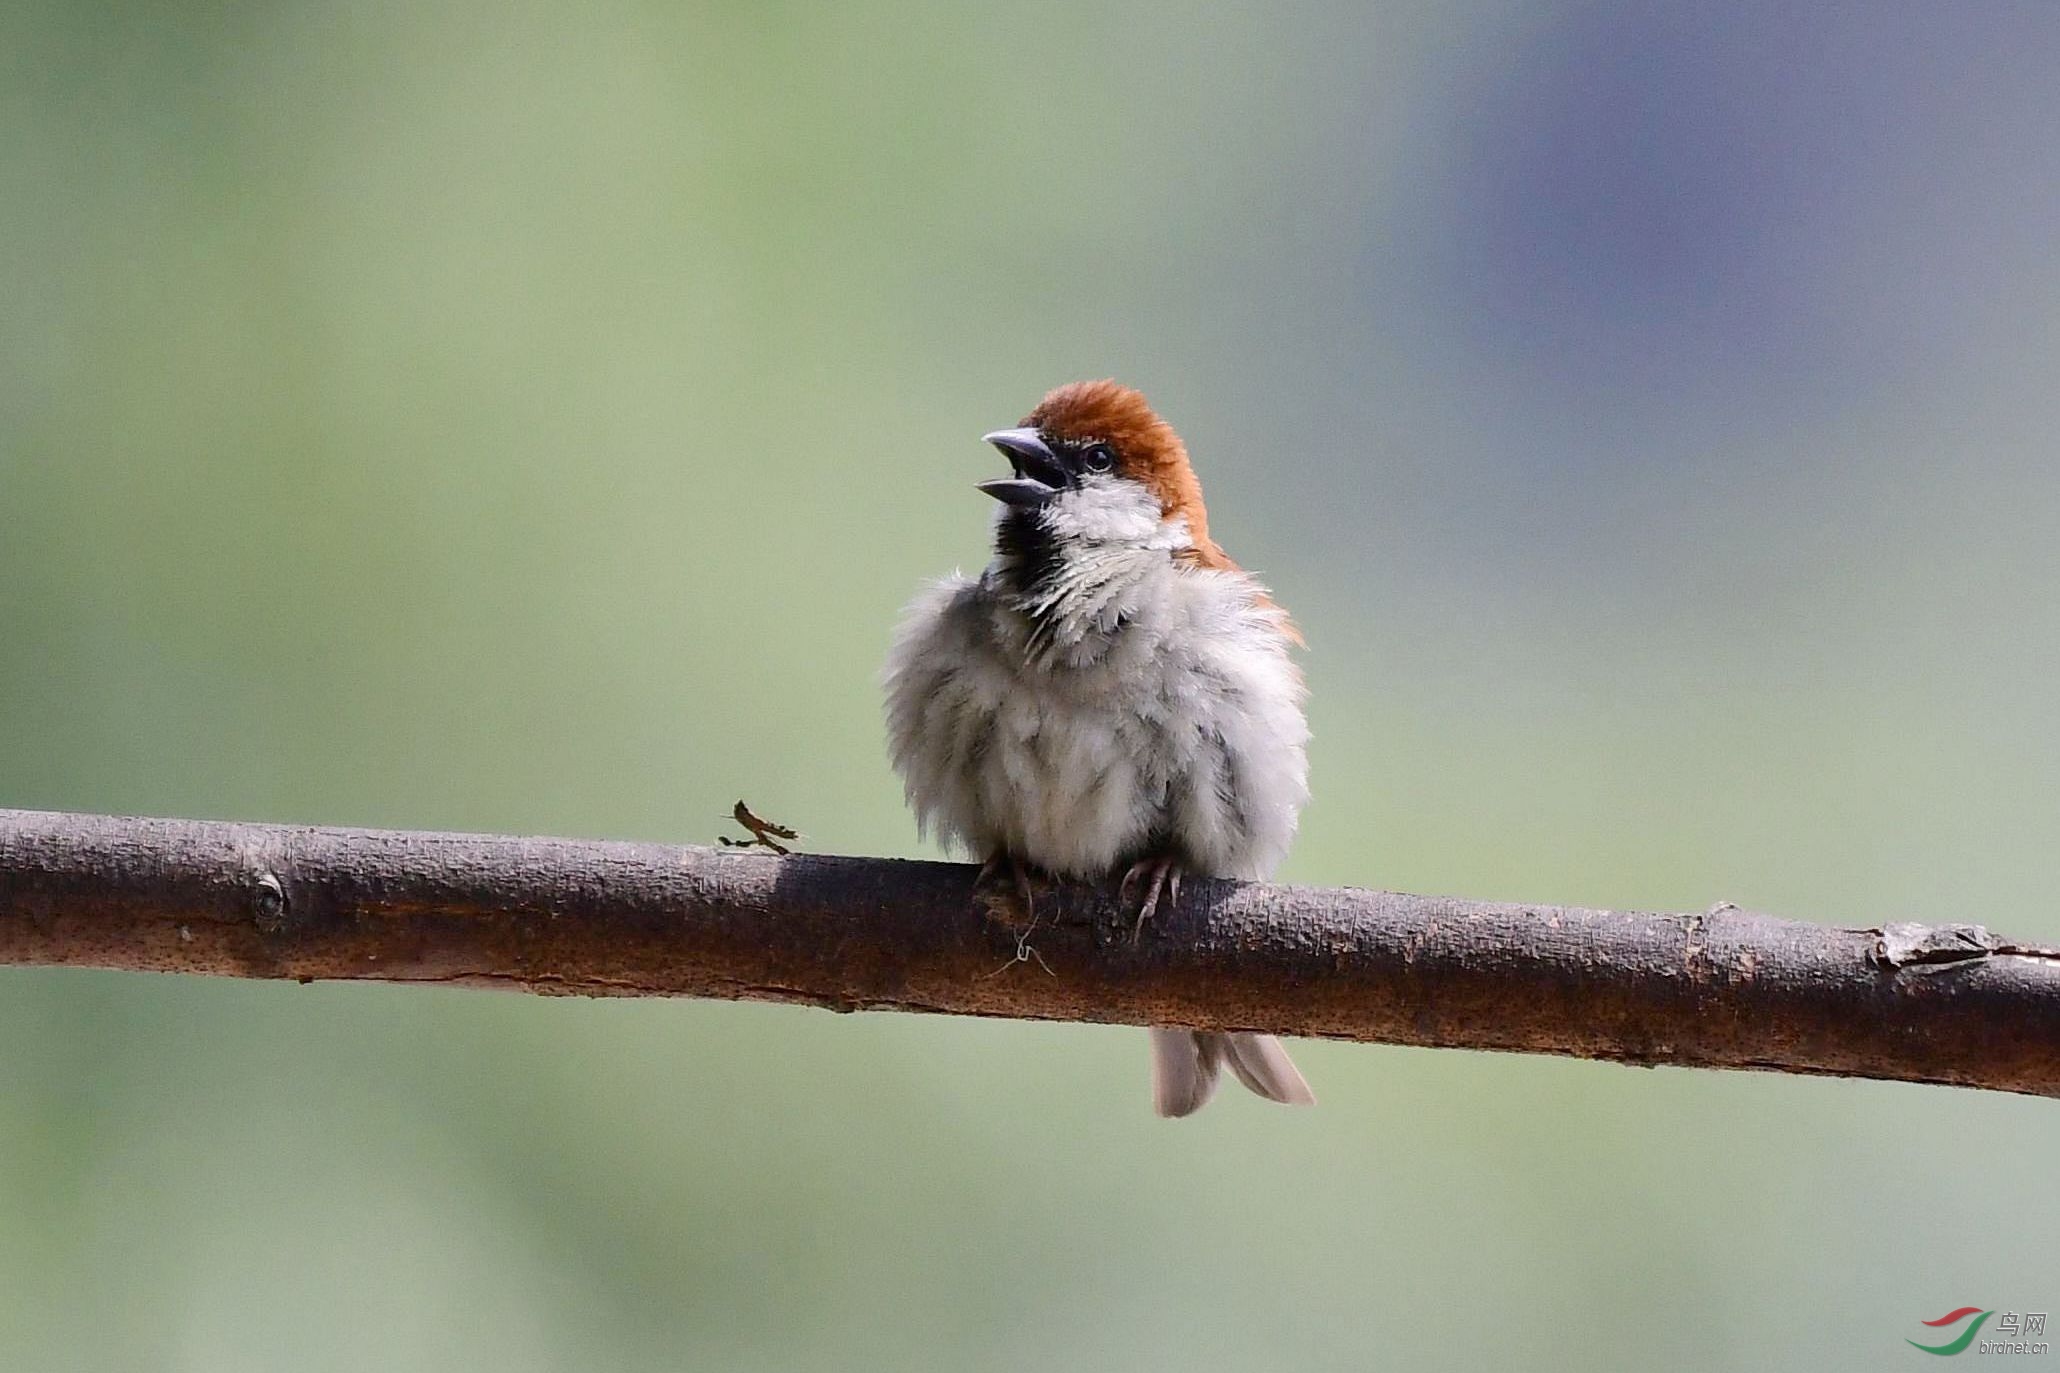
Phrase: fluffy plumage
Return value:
(1112, 689)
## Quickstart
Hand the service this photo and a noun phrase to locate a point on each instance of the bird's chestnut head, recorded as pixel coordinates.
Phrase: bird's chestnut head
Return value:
(1094, 462)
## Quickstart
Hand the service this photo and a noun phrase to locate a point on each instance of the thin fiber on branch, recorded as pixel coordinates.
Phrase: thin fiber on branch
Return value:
(1950, 1004)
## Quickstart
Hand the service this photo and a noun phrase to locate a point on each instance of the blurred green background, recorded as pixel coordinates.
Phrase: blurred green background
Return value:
(531, 418)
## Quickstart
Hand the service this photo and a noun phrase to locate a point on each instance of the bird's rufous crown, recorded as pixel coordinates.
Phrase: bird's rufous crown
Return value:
(1147, 450)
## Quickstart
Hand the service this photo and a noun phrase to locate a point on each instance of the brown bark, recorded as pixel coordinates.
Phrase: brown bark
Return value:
(1725, 988)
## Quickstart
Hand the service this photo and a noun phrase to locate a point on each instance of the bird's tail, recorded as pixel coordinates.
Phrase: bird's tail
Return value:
(1186, 1063)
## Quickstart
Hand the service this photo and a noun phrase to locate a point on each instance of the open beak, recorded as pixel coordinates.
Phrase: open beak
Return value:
(1039, 474)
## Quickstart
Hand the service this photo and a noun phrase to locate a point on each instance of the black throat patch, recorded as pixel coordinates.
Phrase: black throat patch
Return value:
(1031, 558)
(1062, 598)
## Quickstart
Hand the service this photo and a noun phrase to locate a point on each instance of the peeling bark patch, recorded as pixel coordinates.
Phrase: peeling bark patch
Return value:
(1904, 945)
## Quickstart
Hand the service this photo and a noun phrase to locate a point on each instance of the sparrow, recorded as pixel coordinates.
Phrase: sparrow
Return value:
(1112, 698)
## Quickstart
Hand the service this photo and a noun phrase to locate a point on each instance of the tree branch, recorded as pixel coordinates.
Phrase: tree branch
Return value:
(1948, 1004)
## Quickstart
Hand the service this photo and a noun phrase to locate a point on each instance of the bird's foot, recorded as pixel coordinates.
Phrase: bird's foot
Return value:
(1006, 886)
(1159, 876)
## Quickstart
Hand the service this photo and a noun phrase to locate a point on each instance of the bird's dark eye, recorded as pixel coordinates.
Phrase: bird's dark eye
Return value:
(1098, 458)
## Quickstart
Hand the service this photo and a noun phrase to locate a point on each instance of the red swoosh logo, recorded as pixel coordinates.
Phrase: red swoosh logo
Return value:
(1962, 1314)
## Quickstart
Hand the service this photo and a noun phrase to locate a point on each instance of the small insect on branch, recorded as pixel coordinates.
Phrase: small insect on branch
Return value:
(765, 834)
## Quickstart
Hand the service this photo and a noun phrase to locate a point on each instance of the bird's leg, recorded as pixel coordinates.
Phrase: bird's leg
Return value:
(1160, 874)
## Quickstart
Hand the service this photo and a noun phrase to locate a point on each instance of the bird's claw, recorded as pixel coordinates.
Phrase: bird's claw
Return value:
(1014, 904)
(1162, 878)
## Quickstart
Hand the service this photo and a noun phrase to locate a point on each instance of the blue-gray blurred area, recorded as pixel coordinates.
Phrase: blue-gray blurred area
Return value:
(531, 418)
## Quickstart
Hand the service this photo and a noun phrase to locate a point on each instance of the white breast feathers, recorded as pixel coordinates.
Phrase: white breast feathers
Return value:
(1129, 705)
